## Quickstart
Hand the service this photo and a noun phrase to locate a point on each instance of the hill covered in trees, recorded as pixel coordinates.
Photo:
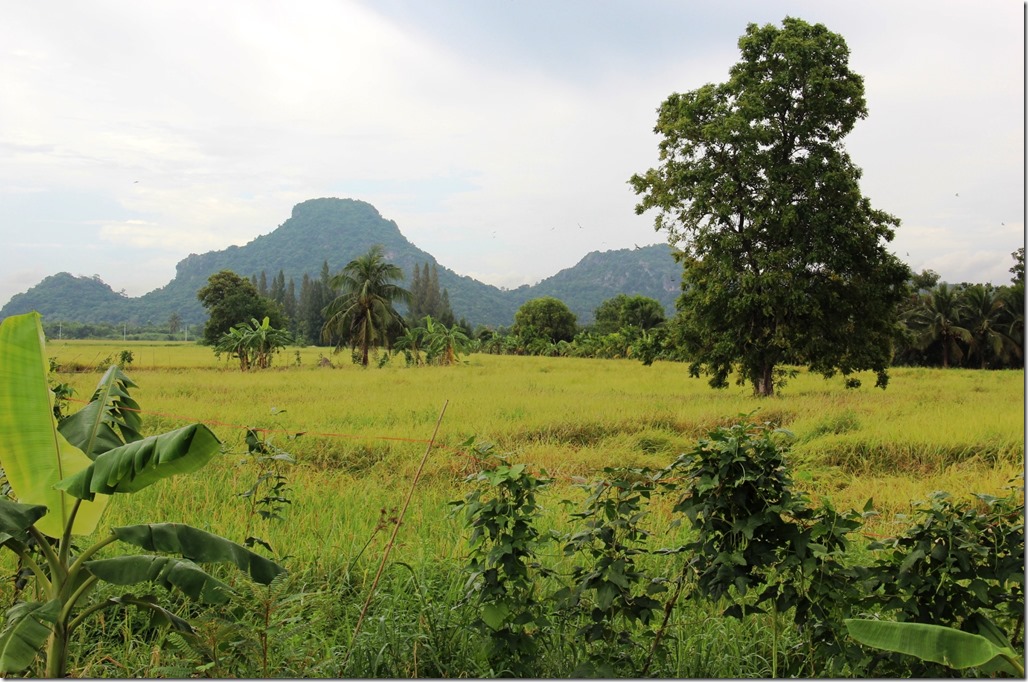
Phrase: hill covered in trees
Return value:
(333, 232)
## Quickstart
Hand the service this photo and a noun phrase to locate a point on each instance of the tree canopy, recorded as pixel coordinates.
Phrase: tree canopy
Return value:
(547, 318)
(784, 258)
(621, 311)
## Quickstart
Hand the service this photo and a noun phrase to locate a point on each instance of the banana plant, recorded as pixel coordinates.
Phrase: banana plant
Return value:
(62, 477)
(988, 650)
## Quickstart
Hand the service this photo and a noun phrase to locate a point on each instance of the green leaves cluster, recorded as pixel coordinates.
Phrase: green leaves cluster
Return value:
(501, 511)
(432, 343)
(253, 344)
(545, 318)
(969, 325)
(613, 592)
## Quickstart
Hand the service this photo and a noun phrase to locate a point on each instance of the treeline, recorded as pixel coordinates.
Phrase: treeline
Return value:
(301, 310)
(941, 325)
(963, 325)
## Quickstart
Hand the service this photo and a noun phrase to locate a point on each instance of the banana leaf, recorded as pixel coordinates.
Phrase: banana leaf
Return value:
(134, 466)
(33, 453)
(16, 518)
(167, 572)
(27, 627)
(110, 420)
(951, 647)
(198, 546)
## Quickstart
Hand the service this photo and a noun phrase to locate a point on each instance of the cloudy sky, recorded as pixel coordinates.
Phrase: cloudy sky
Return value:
(498, 134)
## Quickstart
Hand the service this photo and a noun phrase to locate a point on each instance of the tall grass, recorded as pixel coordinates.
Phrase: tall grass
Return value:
(365, 430)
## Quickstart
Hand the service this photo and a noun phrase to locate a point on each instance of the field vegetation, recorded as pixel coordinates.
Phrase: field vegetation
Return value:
(365, 430)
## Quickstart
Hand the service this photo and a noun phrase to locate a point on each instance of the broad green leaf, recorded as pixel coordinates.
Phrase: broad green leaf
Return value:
(136, 465)
(948, 646)
(495, 614)
(33, 453)
(167, 572)
(199, 546)
(26, 630)
(92, 429)
(16, 518)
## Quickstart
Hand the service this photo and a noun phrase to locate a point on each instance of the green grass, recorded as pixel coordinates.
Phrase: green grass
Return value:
(366, 430)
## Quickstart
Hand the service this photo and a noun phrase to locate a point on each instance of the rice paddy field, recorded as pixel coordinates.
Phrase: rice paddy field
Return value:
(365, 432)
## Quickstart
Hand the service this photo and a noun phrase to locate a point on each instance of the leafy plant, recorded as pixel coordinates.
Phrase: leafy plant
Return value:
(956, 560)
(612, 589)
(501, 512)
(254, 344)
(754, 532)
(62, 479)
(268, 496)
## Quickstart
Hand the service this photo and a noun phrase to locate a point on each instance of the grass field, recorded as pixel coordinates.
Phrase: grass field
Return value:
(366, 430)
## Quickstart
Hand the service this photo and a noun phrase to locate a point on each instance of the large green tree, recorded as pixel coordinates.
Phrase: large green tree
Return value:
(784, 258)
(546, 318)
(363, 313)
(231, 300)
(622, 311)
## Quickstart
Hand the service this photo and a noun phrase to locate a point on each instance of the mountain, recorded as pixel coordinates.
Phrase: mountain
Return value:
(337, 231)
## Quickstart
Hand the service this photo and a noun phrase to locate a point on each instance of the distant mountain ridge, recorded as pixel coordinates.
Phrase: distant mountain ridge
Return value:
(339, 230)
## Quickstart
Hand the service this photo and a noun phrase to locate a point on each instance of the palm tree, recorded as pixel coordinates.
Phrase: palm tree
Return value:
(938, 319)
(983, 314)
(363, 311)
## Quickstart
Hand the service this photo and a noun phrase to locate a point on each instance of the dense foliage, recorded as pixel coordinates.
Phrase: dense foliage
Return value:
(966, 325)
(758, 550)
(784, 259)
(547, 319)
(232, 300)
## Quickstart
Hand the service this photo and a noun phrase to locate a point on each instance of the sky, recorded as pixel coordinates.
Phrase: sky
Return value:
(498, 134)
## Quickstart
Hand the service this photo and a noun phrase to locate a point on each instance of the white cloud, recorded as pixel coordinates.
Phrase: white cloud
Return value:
(196, 127)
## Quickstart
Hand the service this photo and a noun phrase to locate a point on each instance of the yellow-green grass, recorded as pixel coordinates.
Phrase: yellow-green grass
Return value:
(931, 429)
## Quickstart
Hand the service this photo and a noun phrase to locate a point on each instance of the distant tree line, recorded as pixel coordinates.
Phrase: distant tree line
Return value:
(963, 325)
(625, 327)
(968, 325)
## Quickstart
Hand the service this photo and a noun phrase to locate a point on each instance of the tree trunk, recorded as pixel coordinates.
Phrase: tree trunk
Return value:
(764, 386)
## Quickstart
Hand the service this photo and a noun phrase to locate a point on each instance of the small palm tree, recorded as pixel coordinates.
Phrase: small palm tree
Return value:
(938, 318)
(363, 312)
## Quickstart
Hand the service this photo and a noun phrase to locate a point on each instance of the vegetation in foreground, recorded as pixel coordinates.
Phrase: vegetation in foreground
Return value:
(326, 518)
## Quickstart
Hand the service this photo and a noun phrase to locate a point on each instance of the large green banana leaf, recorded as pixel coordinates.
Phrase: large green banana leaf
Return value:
(33, 453)
(27, 627)
(165, 571)
(951, 647)
(95, 428)
(199, 546)
(134, 466)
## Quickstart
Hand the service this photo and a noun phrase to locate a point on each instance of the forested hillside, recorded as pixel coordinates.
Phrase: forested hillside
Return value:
(335, 231)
